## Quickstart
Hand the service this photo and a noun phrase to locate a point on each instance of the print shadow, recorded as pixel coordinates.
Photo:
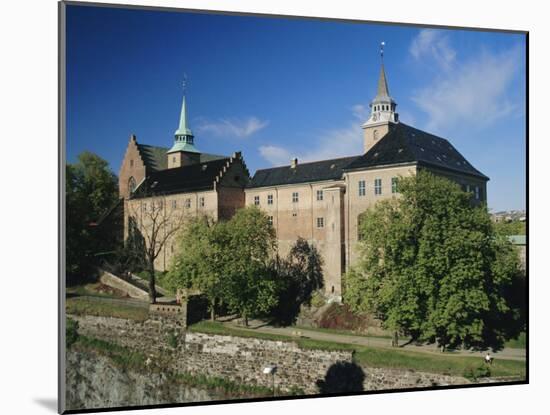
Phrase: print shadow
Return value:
(342, 377)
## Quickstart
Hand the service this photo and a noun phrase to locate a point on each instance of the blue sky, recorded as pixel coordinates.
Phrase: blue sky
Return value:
(279, 88)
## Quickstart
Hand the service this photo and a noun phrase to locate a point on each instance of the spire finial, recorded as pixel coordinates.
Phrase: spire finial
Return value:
(382, 44)
(184, 83)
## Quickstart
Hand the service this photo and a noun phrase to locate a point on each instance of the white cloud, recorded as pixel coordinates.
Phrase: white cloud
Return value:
(275, 155)
(341, 142)
(233, 127)
(474, 92)
(433, 44)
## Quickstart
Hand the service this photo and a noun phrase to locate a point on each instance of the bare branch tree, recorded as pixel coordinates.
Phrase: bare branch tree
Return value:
(156, 223)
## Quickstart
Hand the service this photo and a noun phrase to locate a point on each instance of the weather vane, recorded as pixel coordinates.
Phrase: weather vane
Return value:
(382, 44)
(184, 83)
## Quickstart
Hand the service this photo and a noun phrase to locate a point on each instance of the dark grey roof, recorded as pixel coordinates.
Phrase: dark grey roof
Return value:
(200, 176)
(210, 157)
(303, 172)
(153, 157)
(405, 144)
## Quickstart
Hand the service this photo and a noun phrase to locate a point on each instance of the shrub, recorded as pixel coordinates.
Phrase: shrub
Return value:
(172, 339)
(71, 332)
(474, 374)
(341, 317)
(318, 299)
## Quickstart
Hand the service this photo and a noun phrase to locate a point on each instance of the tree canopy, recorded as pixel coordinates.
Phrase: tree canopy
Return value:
(229, 262)
(91, 190)
(433, 268)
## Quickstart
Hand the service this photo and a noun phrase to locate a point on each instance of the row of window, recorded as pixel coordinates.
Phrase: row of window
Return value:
(320, 197)
(320, 221)
(295, 198)
(174, 204)
(381, 107)
(362, 184)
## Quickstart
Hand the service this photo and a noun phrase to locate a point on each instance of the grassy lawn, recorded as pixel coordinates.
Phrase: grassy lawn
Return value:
(160, 279)
(121, 356)
(84, 306)
(378, 357)
(519, 343)
(216, 327)
(435, 363)
(339, 331)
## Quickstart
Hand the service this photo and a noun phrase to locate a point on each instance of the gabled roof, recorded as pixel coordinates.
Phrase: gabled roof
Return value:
(200, 176)
(405, 144)
(204, 157)
(153, 157)
(302, 173)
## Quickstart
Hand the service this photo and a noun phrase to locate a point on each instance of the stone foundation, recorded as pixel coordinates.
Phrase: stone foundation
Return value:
(243, 359)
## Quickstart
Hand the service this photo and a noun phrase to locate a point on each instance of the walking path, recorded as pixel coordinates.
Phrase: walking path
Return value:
(380, 342)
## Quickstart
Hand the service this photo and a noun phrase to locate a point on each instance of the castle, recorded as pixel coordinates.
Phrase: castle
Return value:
(320, 201)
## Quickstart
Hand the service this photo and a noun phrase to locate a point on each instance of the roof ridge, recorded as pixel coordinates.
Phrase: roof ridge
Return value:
(309, 162)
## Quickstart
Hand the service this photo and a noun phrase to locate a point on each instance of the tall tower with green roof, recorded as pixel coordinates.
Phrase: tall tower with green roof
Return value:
(183, 152)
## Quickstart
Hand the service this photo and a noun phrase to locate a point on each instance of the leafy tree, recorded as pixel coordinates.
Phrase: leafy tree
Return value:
(200, 260)
(433, 268)
(515, 227)
(91, 190)
(299, 274)
(229, 262)
(251, 287)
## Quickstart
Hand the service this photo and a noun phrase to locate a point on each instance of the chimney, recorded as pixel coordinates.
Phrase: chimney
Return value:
(293, 163)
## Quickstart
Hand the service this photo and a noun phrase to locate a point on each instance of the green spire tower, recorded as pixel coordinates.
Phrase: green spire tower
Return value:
(183, 137)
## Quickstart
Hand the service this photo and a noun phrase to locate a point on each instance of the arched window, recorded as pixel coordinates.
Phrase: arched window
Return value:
(131, 184)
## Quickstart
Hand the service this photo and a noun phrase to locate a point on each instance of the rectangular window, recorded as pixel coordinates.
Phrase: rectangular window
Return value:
(294, 197)
(320, 222)
(467, 188)
(362, 188)
(270, 219)
(131, 163)
(477, 192)
(394, 184)
(294, 214)
(269, 199)
(174, 204)
(187, 203)
(201, 202)
(377, 186)
(319, 195)
(257, 200)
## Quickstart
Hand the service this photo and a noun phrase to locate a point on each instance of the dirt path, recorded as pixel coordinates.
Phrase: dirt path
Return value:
(261, 327)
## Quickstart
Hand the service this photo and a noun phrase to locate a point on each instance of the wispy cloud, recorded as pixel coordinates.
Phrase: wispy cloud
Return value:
(240, 128)
(275, 155)
(474, 92)
(345, 141)
(433, 44)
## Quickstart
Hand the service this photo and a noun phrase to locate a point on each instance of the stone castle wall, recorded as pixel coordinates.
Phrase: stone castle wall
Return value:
(243, 359)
